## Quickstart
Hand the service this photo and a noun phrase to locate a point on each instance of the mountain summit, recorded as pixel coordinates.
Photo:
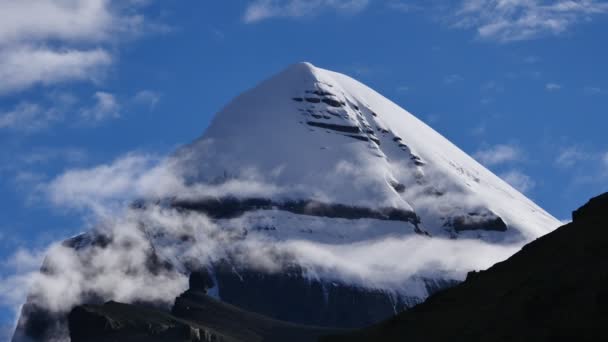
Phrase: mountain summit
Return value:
(319, 136)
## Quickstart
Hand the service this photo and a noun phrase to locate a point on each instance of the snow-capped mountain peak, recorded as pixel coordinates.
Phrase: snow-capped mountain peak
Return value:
(309, 188)
(320, 138)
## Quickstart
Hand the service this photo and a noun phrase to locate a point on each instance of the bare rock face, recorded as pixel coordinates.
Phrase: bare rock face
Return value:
(291, 296)
(230, 207)
(482, 220)
(195, 317)
(122, 322)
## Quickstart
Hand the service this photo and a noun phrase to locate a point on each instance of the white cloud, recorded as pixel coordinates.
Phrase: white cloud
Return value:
(266, 9)
(57, 107)
(106, 107)
(571, 156)
(107, 188)
(22, 67)
(28, 117)
(53, 41)
(498, 154)
(552, 87)
(587, 166)
(519, 180)
(121, 273)
(33, 20)
(513, 20)
(120, 270)
(96, 188)
(147, 98)
(24, 260)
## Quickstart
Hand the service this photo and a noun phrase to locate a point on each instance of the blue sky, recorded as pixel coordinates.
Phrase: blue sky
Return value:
(520, 85)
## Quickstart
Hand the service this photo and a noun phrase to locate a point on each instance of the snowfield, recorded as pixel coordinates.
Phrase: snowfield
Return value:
(313, 134)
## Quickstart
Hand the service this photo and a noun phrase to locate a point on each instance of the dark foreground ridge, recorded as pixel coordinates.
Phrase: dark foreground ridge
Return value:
(554, 289)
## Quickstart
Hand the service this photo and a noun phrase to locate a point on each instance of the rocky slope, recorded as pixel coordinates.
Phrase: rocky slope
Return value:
(554, 289)
(195, 317)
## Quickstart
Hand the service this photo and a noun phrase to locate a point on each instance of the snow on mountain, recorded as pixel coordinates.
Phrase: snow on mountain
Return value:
(310, 190)
(310, 134)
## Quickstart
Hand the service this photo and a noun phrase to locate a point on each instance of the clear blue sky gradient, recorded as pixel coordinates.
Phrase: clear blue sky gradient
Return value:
(479, 93)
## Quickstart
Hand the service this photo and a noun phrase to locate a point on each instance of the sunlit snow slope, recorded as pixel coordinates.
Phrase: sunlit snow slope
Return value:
(310, 138)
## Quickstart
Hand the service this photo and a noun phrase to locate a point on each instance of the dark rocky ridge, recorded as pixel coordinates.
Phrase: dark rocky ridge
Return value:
(477, 220)
(195, 317)
(230, 207)
(554, 289)
(335, 127)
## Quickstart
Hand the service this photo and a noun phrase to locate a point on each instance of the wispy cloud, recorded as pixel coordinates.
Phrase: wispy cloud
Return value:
(571, 156)
(114, 271)
(590, 90)
(55, 108)
(515, 20)
(265, 9)
(22, 67)
(29, 117)
(106, 107)
(403, 89)
(532, 59)
(404, 6)
(451, 79)
(147, 98)
(43, 155)
(585, 165)
(605, 161)
(498, 154)
(519, 180)
(553, 87)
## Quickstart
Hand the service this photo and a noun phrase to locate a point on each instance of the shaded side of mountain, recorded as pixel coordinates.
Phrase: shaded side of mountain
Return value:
(123, 322)
(37, 323)
(555, 288)
(291, 296)
(195, 317)
(287, 296)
